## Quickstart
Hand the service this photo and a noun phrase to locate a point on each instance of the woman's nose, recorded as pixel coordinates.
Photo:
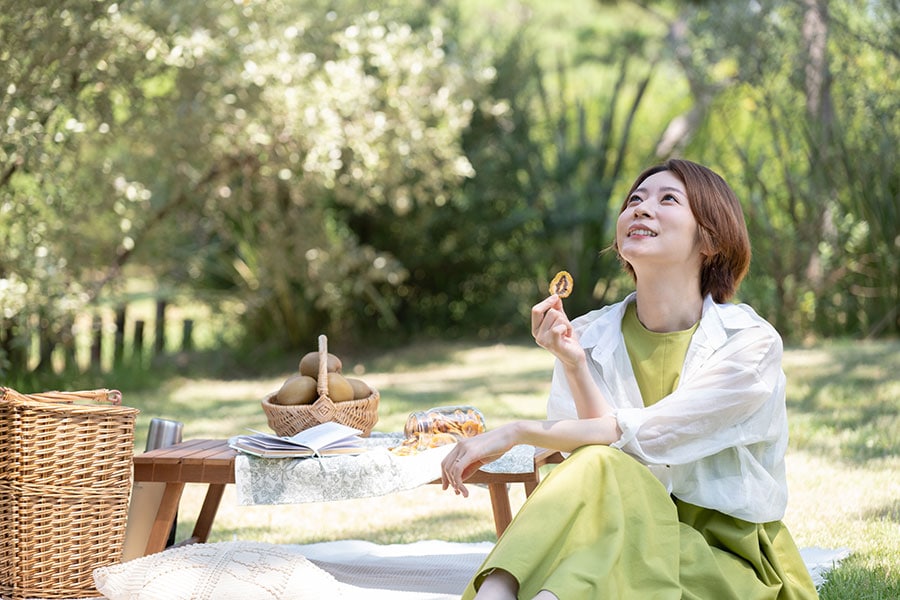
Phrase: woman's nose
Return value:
(642, 210)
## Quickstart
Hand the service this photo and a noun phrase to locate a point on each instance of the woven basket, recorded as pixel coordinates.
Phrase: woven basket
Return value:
(288, 420)
(65, 482)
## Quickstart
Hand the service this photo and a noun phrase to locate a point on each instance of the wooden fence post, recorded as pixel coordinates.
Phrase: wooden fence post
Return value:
(97, 342)
(159, 344)
(137, 350)
(70, 357)
(46, 344)
(187, 335)
(119, 345)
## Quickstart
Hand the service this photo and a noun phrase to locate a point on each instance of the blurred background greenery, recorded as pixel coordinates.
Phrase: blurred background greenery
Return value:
(406, 169)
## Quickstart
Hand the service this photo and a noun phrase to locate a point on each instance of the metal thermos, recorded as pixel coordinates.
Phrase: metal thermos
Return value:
(163, 433)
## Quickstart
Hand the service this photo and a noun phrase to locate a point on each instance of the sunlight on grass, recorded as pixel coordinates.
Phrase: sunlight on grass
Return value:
(840, 505)
(844, 399)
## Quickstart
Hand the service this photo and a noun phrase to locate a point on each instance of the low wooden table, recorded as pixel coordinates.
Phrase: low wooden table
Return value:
(212, 462)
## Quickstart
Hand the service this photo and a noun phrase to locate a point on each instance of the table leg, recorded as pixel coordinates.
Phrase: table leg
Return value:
(165, 516)
(208, 512)
(500, 505)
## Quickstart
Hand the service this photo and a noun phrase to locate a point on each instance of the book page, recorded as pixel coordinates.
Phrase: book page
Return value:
(323, 439)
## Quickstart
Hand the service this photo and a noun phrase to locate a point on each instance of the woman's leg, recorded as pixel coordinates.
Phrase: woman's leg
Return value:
(600, 525)
(498, 585)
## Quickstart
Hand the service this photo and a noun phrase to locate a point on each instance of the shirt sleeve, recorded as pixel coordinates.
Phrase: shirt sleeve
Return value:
(735, 397)
(559, 403)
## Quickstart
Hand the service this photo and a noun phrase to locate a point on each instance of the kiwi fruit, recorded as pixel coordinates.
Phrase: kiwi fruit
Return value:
(339, 389)
(309, 364)
(299, 389)
(361, 389)
(562, 284)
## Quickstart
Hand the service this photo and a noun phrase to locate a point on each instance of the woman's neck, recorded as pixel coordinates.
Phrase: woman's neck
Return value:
(666, 304)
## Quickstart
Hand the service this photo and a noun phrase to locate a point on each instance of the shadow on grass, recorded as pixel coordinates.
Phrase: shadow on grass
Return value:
(888, 512)
(396, 404)
(845, 399)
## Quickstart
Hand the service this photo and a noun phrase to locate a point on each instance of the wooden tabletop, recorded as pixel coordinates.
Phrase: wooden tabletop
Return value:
(192, 461)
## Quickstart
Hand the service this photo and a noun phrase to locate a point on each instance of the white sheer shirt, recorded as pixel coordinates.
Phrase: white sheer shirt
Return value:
(719, 439)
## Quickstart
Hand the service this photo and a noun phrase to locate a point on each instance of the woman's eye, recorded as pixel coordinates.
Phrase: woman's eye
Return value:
(669, 198)
(634, 200)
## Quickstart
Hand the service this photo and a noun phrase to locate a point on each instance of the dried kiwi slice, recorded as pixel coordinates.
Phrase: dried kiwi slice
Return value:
(562, 284)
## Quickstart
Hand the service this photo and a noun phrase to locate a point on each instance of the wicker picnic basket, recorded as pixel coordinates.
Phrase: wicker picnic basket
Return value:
(288, 420)
(65, 483)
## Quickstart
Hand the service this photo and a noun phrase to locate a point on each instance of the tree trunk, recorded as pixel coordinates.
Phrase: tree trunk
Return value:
(817, 78)
(820, 116)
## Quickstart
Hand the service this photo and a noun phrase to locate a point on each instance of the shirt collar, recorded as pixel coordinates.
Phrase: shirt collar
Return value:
(602, 335)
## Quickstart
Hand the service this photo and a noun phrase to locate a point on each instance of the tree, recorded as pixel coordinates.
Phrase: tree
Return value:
(54, 65)
(222, 145)
(783, 123)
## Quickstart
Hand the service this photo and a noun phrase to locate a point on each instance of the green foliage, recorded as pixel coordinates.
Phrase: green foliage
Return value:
(52, 59)
(422, 168)
(805, 128)
(229, 144)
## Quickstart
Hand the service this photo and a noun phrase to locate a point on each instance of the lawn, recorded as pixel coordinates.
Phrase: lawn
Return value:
(843, 463)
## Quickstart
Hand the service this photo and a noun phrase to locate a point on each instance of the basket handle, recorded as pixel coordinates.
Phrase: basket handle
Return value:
(99, 396)
(322, 382)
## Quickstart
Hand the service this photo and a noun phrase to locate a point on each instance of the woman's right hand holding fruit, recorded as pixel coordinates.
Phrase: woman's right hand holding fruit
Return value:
(553, 331)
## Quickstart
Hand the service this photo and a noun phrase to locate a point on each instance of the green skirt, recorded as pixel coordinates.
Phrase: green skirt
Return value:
(602, 526)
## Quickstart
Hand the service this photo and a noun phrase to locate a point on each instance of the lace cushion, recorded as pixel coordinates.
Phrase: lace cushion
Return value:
(219, 571)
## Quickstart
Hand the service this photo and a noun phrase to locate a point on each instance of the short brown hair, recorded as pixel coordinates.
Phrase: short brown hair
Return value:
(724, 240)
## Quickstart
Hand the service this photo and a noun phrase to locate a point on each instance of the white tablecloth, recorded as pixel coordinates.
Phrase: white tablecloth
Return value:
(374, 473)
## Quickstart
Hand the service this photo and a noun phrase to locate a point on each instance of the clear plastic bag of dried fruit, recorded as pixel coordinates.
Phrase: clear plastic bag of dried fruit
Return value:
(439, 426)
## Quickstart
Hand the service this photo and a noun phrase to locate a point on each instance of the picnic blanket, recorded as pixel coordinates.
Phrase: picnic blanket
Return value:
(348, 569)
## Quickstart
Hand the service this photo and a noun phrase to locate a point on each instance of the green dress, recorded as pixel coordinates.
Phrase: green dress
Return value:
(601, 526)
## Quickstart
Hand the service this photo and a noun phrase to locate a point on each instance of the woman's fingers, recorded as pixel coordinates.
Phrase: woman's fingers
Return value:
(453, 472)
(554, 326)
(540, 310)
(446, 477)
(461, 463)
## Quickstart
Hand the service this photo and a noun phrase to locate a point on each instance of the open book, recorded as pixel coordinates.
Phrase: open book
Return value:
(320, 440)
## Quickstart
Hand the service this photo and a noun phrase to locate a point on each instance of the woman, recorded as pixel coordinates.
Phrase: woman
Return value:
(672, 405)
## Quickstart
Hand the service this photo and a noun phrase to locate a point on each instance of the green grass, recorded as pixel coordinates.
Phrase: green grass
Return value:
(843, 464)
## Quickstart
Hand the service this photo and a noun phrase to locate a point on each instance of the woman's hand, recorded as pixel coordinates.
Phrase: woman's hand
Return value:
(552, 330)
(470, 454)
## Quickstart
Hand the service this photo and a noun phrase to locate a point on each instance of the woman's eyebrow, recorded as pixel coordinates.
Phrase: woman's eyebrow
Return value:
(662, 189)
(672, 189)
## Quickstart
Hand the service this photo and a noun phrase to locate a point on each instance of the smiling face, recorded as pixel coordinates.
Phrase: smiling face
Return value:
(657, 227)
(713, 231)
